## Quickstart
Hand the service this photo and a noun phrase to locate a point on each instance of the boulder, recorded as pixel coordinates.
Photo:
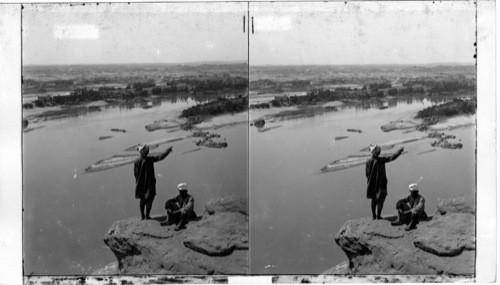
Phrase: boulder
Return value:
(229, 203)
(215, 244)
(449, 235)
(219, 235)
(462, 204)
(443, 245)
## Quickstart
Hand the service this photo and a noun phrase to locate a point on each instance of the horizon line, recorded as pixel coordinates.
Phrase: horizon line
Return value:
(218, 62)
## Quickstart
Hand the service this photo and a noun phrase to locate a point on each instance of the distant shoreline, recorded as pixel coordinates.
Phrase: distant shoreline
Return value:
(198, 63)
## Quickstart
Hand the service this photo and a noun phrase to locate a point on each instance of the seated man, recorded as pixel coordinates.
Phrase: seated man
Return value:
(411, 209)
(180, 209)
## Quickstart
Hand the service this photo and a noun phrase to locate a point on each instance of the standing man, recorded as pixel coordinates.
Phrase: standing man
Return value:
(411, 209)
(145, 181)
(180, 209)
(376, 189)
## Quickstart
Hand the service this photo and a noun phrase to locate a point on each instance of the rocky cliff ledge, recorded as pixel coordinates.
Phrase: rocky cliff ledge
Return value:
(446, 244)
(215, 244)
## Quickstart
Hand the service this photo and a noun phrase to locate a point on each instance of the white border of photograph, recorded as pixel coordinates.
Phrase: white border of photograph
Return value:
(11, 145)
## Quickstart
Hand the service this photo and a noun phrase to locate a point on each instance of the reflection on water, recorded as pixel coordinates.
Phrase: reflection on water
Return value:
(296, 209)
(67, 211)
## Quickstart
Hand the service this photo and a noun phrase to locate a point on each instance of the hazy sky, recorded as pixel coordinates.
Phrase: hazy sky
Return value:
(383, 32)
(135, 33)
(285, 33)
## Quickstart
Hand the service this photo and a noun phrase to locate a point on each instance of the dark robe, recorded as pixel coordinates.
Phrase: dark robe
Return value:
(375, 173)
(144, 172)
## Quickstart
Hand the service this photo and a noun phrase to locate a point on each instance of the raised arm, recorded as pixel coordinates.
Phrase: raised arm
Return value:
(393, 156)
(162, 156)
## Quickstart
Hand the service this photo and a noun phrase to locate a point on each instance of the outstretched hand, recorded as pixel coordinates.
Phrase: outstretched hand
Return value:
(401, 149)
(169, 149)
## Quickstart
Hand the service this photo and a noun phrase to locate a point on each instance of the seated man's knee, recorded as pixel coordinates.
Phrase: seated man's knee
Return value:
(399, 205)
(168, 206)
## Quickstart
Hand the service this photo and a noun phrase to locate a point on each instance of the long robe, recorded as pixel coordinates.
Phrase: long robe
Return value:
(144, 172)
(375, 174)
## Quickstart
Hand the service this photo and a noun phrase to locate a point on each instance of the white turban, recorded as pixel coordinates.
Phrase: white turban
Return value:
(413, 187)
(143, 148)
(182, 186)
(375, 149)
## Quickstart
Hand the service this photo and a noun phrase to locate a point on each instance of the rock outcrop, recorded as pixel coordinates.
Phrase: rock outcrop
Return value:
(215, 244)
(443, 245)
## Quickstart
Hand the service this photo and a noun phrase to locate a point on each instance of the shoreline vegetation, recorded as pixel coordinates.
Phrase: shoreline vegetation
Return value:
(438, 113)
(201, 112)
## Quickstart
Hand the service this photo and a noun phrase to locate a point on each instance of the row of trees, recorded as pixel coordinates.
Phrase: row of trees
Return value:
(138, 86)
(237, 83)
(405, 91)
(446, 86)
(378, 85)
(449, 109)
(217, 107)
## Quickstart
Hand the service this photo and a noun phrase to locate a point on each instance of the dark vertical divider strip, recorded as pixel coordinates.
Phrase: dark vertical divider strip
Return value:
(248, 146)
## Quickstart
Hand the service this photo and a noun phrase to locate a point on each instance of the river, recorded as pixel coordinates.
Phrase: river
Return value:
(296, 210)
(67, 211)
